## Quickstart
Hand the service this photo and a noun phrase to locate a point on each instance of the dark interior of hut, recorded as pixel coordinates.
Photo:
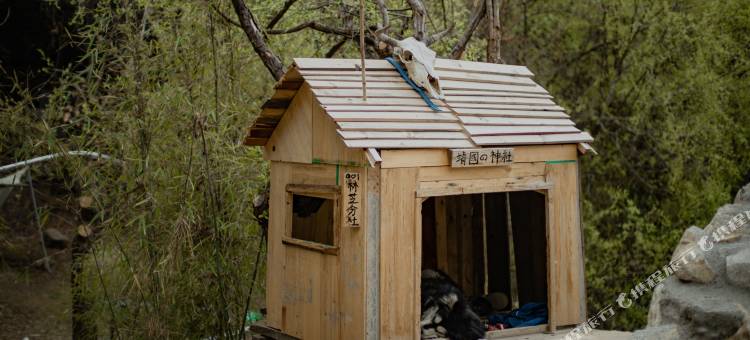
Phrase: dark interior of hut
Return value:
(484, 263)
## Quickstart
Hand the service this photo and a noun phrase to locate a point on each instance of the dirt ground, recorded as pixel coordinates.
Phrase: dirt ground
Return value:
(34, 304)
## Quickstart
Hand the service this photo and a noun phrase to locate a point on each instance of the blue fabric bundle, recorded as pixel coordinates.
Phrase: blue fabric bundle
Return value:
(408, 80)
(530, 314)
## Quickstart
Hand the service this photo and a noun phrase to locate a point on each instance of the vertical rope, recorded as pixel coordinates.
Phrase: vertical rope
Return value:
(362, 46)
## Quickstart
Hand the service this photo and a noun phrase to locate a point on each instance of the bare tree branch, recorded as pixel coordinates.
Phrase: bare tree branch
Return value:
(276, 18)
(315, 26)
(476, 17)
(225, 17)
(386, 19)
(437, 36)
(418, 14)
(250, 27)
(382, 37)
(335, 48)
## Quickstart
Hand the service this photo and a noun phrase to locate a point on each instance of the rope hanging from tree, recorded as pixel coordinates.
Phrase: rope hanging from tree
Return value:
(362, 46)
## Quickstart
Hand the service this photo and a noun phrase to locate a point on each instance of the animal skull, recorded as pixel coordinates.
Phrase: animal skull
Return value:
(419, 60)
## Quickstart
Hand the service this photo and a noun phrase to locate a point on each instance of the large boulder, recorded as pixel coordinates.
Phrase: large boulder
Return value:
(744, 332)
(698, 269)
(730, 214)
(743, 196)
(738, 268)
(708, 299)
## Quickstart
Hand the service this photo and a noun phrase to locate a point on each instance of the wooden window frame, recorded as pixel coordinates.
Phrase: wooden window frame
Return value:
(331, 192)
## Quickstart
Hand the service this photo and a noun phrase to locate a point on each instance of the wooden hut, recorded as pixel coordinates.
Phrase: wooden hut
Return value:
(365, 193)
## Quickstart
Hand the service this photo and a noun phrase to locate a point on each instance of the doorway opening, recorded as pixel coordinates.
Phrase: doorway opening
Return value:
(493, 247)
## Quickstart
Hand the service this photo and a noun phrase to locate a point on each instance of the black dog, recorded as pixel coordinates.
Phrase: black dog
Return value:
(454, 318)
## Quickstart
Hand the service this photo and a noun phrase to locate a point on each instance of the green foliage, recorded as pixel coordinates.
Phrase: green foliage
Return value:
(662, 86)
(657, 84)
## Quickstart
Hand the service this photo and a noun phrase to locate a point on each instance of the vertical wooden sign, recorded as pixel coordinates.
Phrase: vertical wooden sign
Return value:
(352, 200)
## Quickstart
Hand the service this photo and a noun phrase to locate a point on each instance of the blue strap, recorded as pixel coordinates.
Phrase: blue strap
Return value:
(408, 80)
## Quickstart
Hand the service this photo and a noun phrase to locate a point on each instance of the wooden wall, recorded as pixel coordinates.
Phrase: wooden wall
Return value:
(306, 134)
(399, 254)
(310, 294)
(407, 174)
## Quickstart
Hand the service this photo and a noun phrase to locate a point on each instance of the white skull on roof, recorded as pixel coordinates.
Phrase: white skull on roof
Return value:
(419, 60)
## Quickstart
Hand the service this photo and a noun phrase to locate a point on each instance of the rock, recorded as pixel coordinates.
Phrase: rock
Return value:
(698, 269)
(664, 332)
(738, 269)
(743, 195)
(85, 202)
(743, 333)
(654, 313)
(53, 238)
(737, 215)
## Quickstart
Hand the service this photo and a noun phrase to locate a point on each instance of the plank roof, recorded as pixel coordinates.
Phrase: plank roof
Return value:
(485, 105)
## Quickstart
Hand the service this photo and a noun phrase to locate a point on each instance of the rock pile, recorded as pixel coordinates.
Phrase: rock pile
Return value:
(708, 298)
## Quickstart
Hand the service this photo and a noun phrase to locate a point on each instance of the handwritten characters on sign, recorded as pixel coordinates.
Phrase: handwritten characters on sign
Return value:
(352, 199)
(481, 157)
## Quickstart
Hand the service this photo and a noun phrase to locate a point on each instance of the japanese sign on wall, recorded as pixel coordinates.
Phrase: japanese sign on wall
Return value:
(461, 158)
(352, 200)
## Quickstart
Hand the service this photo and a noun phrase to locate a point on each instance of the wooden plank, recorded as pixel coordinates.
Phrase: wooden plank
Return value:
(398, 264)
(323, 191)
(468, 85)
(280, 175)
(291, 141)
(370, 79)
(341, 64)
(283, 94)
(567, 241)
(480, 67)
(534, 139)
(430, 158)
(405, 126)
(447, 173)
(380, 108)
(515, 332)
(392, 116)
(314, 246)
(489, 78)
(478, 130)
(377, 101)
(327, 144)
(481, 157)
(401, 135)
(441, 233)
(478, 186)
(454, 100)
(328, 72)
(371, 93)
(372, 255)
(551, 266)
(379, 65)
(328, 84)
(516, 113)
(489, 93)
(492, 106)
(352, 258)
(408, 143)
(270, 333)
(503, 121)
